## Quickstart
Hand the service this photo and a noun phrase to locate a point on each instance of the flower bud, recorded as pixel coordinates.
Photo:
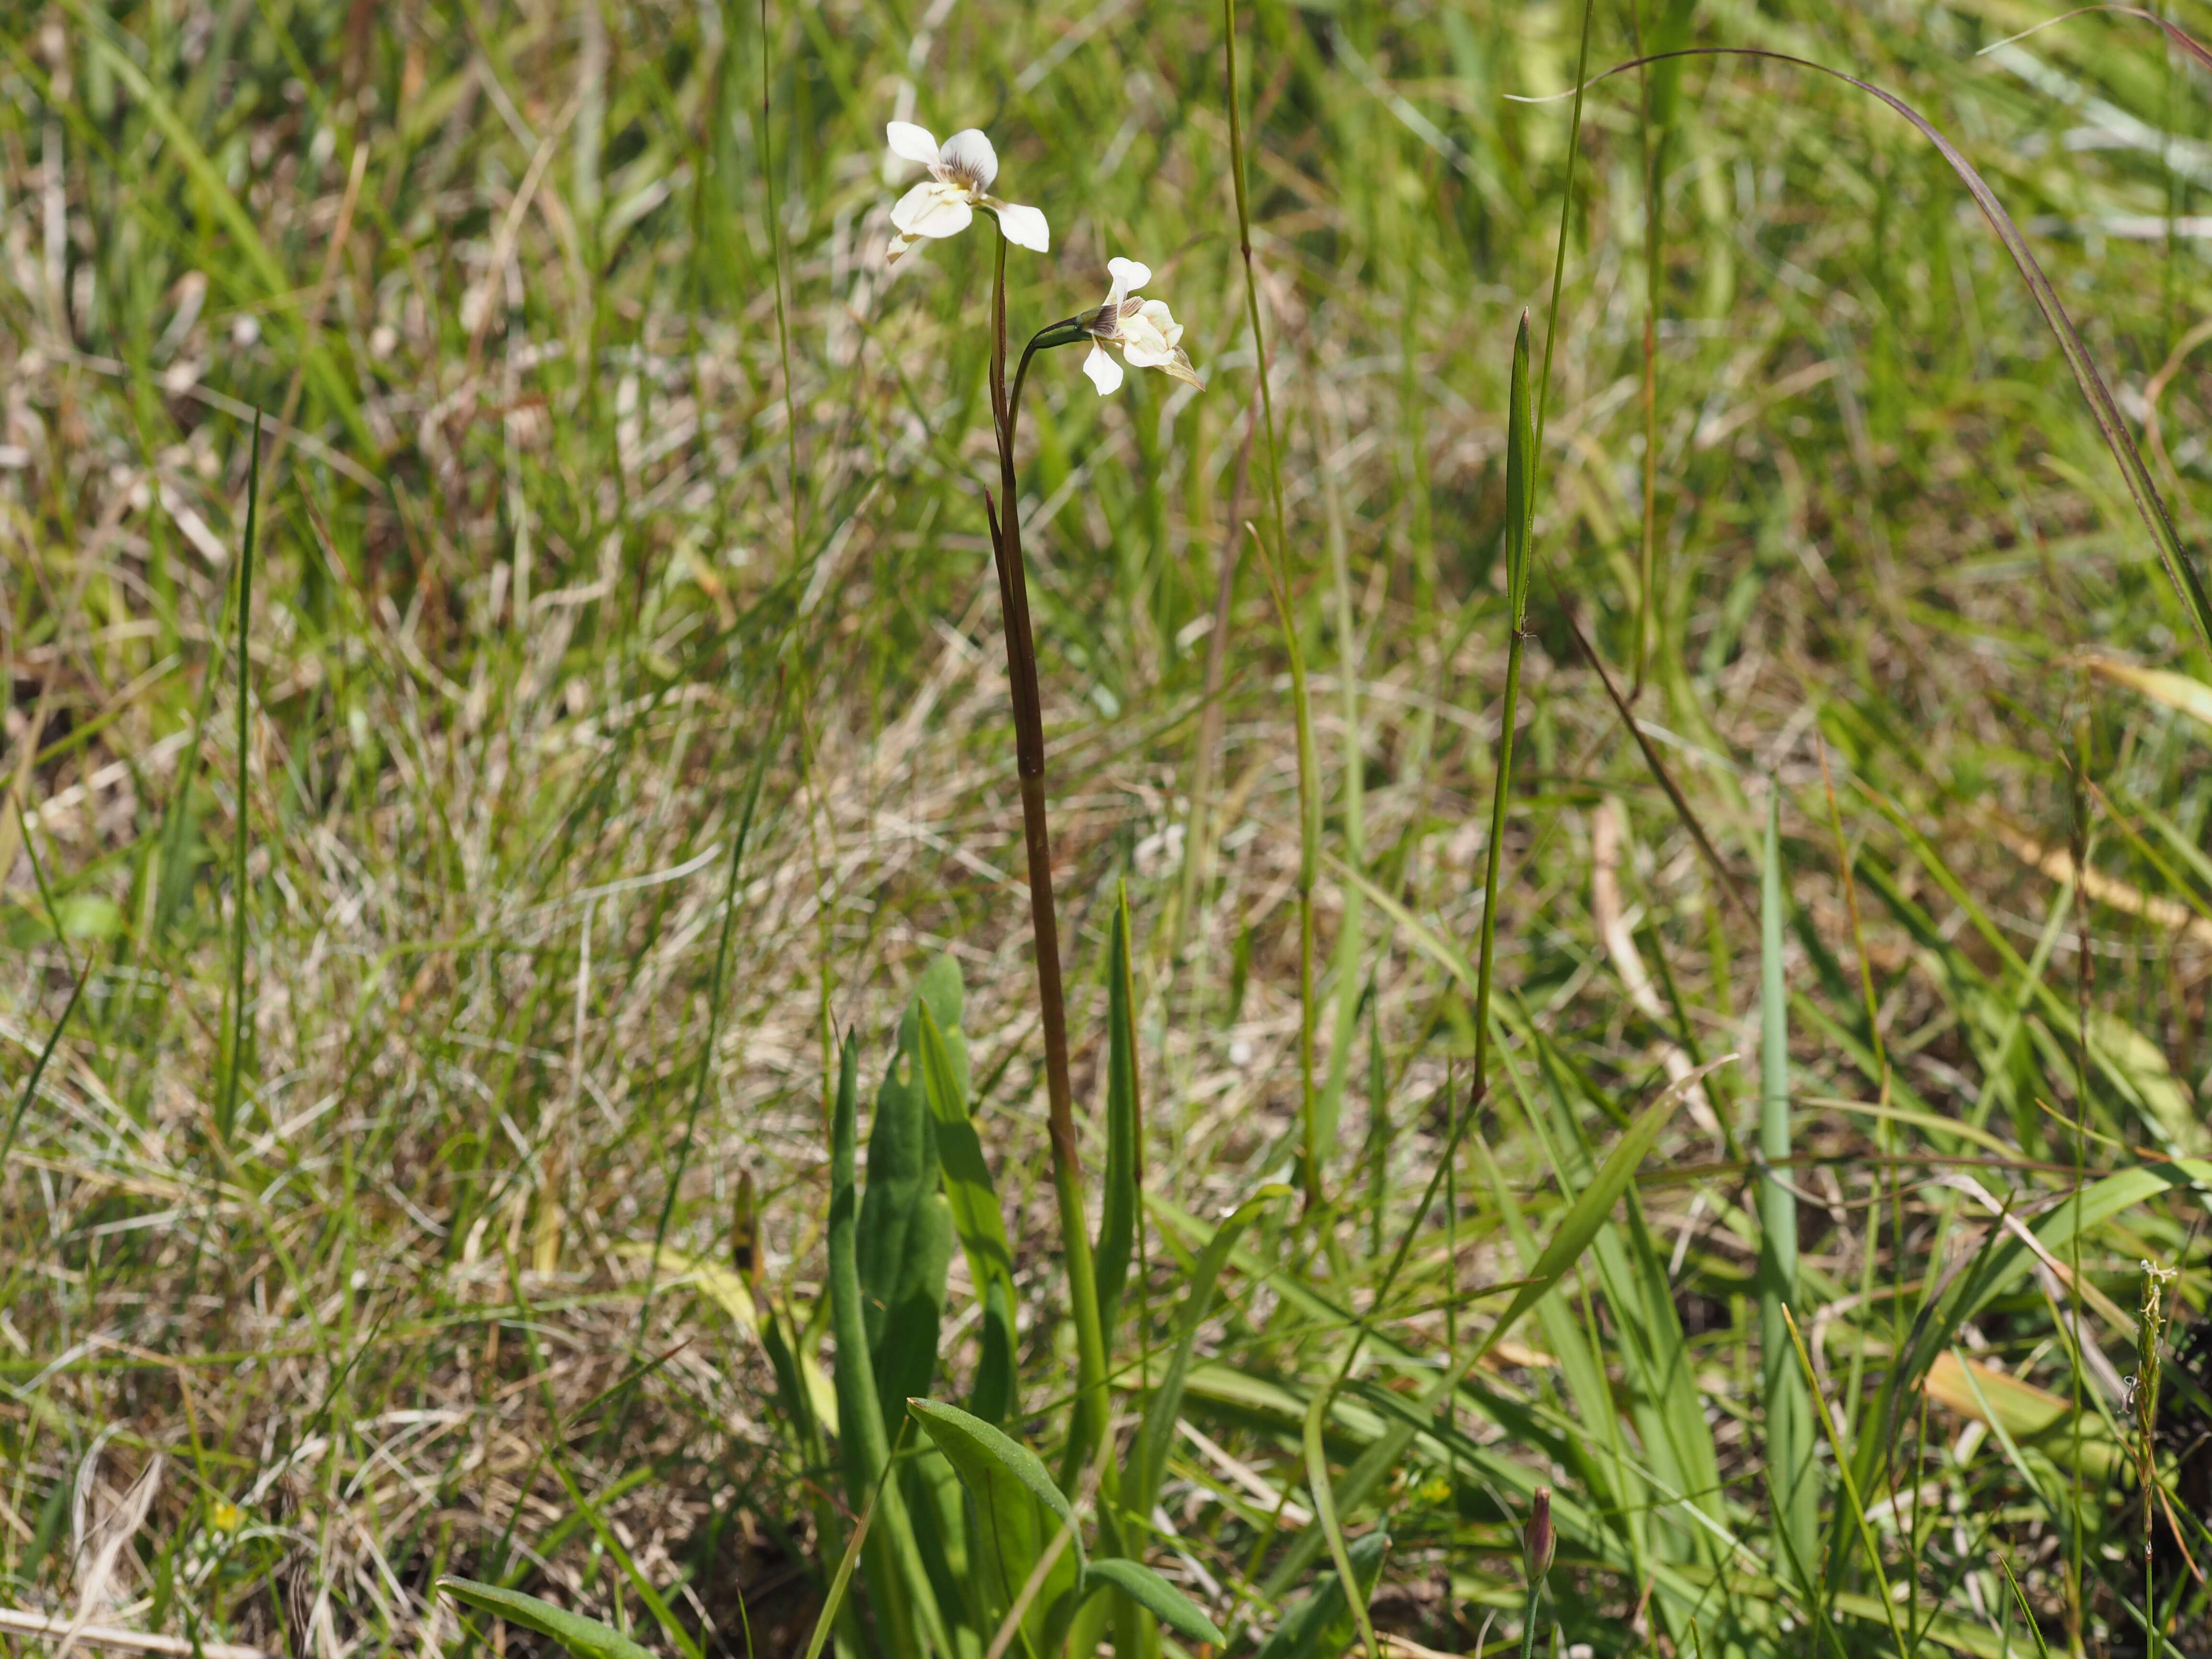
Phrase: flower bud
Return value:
(1537, 1540)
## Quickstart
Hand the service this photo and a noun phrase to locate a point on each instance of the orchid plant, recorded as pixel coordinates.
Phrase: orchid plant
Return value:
(962, 172)
(1144, 333)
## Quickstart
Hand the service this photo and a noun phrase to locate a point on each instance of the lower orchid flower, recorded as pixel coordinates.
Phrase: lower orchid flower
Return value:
(1144, 330)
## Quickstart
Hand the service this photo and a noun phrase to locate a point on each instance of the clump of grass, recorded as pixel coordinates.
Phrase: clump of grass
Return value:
(389, 1045)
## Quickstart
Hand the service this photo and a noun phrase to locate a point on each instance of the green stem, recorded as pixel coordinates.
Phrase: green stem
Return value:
(775, 249)
(1521, 451)
(1088, 1425)
(228, 1114)
(1566, 213)
(1311, 1151)
(1309, 811)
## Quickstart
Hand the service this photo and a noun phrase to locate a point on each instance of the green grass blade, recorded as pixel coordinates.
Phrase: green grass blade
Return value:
(1591, 1208)
(1324, 1498)
(225, 1114)
(38, 1066)
(1120, 1196)
(587, 1638)
(2142, 491)
(1792, 1480)
(1157, 1596)
(656, 1603)
(1149, 1463)
(833, 1603)
(1319, 1626)
(1850, 1486)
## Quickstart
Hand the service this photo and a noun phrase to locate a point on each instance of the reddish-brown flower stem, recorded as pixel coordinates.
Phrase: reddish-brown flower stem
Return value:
(1090, 1421)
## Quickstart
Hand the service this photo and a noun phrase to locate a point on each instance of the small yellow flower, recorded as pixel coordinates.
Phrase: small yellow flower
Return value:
(225, 1516)
(1145, 331)
(961, 172)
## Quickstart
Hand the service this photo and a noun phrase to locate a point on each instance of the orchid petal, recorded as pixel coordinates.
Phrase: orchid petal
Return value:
(1157, 314)
(1128, 277)
(931, 210)
(1024, 227)
(912, 143)
(1142, 344)
(968, 153)
(1105, 373)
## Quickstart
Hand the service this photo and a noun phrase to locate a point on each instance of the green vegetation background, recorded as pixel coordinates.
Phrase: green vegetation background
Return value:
(576, 517)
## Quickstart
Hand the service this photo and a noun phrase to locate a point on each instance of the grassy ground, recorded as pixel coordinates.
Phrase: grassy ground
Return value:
(572, 515)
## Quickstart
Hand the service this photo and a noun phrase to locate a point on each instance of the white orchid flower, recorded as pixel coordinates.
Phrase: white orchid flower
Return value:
(1144, 330)
(960, 172)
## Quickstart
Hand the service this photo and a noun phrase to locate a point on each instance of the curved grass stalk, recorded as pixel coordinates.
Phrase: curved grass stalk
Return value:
(1278, 579)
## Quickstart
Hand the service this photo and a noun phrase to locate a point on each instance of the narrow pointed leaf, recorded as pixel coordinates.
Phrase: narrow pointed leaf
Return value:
(1324, 1498)
(977, 1218)
(587, 1638)
(1117, 1220)
(905, 1232)
(1576, 1230)
(896, 1582)
(1149, 1465)
(1157, 1596)
(1319, 1625)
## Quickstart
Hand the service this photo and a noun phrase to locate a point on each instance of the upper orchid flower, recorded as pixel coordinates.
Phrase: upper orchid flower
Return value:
(960, 172)
(1146, 330)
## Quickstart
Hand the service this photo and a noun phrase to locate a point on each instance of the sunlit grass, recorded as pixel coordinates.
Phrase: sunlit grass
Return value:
(622, 721)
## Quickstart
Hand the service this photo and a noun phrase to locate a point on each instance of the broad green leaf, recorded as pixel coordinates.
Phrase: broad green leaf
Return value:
(905, 1605)
(1157, 1596)
(905, 1232)
(864, 1445)
(587, 1638)
(1319, 1626)
(1018, 1512)
(973, 1200)
(1117, 1219)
